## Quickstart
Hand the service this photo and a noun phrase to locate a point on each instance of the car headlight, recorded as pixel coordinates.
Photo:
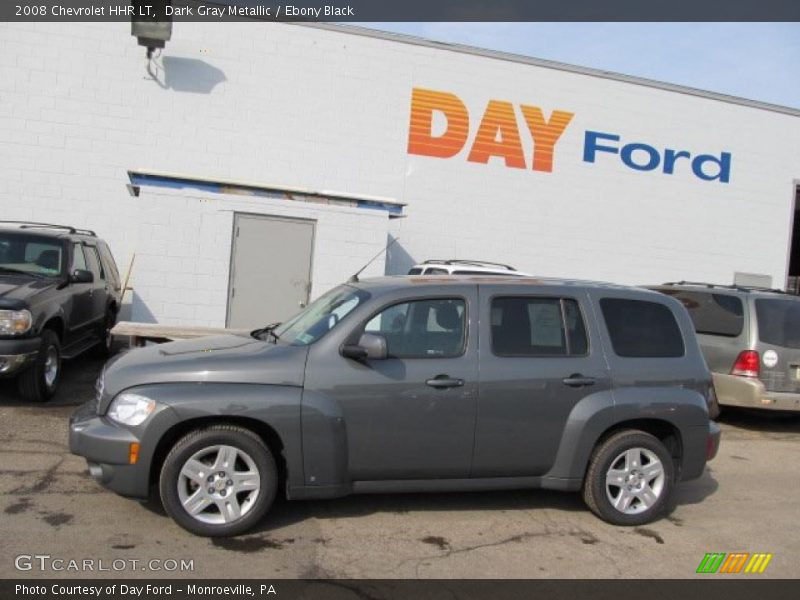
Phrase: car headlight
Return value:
(15, 322)
(130, 409)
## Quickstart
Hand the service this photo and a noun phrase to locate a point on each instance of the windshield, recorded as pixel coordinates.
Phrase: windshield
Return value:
(779, 322)
(30, 255)
(321, 316)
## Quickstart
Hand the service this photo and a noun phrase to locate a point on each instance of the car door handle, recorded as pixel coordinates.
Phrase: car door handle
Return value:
(441, 382)
(578, 380)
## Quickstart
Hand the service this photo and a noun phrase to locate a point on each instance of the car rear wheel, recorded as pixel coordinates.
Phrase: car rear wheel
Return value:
(218, 481)
(40, 380)
(630, 479)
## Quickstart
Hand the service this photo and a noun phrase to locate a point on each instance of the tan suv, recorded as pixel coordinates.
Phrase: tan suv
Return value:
(750, 338)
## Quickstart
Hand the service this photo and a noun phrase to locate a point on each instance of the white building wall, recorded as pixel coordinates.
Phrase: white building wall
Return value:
(325, 110)
(183, 250)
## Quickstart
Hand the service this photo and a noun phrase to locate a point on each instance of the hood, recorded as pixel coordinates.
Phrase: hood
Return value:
(18, 291)
(218, 359)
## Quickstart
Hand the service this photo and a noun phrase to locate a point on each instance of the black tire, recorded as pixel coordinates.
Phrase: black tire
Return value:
(33, 382)
(195, 442)
(605, 456)
(105, 349)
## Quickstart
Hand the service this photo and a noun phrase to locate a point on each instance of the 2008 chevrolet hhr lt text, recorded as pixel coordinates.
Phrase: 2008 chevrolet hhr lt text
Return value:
(413, 384)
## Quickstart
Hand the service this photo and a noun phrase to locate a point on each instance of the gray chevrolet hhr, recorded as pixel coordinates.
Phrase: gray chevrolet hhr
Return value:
(404, 384)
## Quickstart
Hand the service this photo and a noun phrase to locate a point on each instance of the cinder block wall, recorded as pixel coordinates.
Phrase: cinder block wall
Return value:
(326, 110)
(80, 106)
(184, 246)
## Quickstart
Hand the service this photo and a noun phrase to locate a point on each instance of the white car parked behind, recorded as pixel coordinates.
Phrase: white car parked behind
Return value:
(464, 267)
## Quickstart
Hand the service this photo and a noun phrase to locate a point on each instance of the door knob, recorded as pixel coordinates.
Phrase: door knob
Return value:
(578, 380)
(444, 381)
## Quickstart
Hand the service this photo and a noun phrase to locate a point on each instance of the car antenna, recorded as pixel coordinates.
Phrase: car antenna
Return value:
(354, 278)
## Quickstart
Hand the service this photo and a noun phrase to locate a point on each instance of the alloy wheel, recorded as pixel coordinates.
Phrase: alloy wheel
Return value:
(635, 481)
(219, 484)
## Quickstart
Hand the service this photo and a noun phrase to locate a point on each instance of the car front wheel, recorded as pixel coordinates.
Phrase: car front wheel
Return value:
(630, 479)
(218, 481)
(40, 380)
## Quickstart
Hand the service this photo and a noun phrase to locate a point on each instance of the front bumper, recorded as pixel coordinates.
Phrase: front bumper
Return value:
(748, 392)
(16, 354)
(106, 447)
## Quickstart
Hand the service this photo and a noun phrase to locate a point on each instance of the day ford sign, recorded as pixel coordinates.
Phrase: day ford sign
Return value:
(498, 135)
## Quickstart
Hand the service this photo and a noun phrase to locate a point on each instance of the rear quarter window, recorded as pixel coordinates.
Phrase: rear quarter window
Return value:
(779, 322)
(642, 329)
(712, 313)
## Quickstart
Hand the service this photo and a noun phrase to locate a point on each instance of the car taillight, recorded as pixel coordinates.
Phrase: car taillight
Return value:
(747, 364)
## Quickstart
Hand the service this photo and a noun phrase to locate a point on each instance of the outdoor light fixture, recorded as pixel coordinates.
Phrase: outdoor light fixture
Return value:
(150, 23)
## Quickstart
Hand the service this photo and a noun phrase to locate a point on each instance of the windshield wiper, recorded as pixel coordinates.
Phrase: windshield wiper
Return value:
(270, 329)
(19, 272)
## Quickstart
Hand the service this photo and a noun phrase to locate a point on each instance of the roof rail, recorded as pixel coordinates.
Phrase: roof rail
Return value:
(476, 263)
(36, 225)
(756, 288)
(740, 288)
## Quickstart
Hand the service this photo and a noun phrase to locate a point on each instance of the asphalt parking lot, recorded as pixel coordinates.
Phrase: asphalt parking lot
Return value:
(747, 501)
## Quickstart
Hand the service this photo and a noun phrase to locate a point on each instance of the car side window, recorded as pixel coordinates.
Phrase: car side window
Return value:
(93, 258)
(576, 329)
(535, 326)
(642, 329)
(78, 258)
(712, 313)
(44, 257)
(431, 328)
(108, 263)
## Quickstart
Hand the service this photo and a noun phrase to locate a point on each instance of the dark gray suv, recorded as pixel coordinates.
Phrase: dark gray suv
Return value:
(404, 384)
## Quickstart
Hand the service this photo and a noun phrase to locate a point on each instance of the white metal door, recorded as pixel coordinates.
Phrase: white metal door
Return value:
(270, 269)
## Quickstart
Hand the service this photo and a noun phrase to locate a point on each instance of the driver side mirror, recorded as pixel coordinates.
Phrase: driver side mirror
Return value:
(371, 346)
(81, 276)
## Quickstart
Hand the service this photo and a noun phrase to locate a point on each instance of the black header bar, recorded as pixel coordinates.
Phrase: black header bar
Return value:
(402, 10)
(711, 587)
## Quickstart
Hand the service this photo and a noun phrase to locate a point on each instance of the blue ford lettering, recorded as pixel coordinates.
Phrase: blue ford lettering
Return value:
(643, 157)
